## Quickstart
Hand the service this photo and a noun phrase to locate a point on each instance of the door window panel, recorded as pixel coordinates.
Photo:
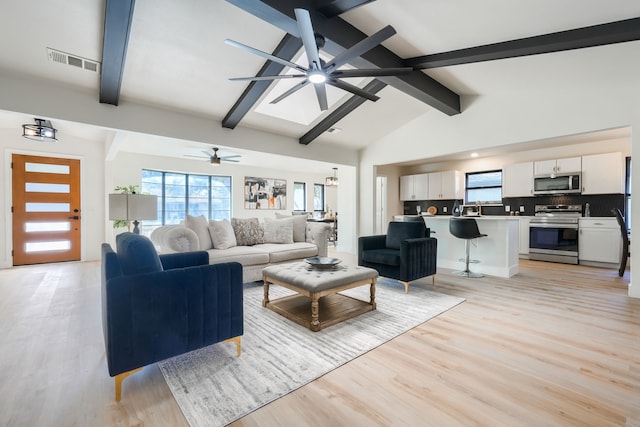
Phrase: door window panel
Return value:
(47, 207)
(39, 187)
(46, 168)
(36, 227)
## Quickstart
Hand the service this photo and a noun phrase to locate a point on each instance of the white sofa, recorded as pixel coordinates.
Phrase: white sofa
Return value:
(182, 238)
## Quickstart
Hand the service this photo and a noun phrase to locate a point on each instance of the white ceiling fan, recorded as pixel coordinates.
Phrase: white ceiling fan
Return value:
(319, 72)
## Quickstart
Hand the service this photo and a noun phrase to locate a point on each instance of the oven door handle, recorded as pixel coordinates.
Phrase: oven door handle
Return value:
(548, 225)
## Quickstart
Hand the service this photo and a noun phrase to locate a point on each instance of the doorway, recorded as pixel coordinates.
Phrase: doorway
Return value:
(381, 205)
(45, 209)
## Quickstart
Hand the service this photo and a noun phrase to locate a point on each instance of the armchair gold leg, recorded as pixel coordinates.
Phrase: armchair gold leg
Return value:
(406, 287)
(238, 343)
(119, 378)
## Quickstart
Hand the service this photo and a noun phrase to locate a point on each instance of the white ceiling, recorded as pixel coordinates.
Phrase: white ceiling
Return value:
(177, 60)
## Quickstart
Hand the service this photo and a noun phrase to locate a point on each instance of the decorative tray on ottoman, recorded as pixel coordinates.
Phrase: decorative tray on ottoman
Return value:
(323, 262)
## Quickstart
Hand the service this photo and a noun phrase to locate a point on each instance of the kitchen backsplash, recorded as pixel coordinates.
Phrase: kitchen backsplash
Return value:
(600, 204)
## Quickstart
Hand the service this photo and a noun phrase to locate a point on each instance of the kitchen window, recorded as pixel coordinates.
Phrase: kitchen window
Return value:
(484, 187)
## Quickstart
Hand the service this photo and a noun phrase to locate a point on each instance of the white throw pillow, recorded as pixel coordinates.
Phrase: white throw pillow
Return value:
(200, 226)
(299, 226)
(222, 234)
(278, 230)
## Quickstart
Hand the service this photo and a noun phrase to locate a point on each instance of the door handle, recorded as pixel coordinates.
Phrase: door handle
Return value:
(74, 217)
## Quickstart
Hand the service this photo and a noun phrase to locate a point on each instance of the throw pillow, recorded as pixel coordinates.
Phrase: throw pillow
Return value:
(248, 231)
(222, 234)
(200, 226)
(137, 254)
(299, 226)
(278, 230)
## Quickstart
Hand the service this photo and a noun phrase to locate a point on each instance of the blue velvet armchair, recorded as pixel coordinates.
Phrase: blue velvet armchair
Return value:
(405, 253)
(155, 307)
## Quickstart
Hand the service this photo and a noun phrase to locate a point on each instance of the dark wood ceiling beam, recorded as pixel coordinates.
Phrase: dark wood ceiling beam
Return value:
(341, 112)
(596, 35)
(287, 48)
(117, 26)
(341, 35)
(331, 8)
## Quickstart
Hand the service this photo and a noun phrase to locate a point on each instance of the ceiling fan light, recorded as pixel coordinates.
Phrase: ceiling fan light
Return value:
(41, 131)
(317, 77)
(215, 161)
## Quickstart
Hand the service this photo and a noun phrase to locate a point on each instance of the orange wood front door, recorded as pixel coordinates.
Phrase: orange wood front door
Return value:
(46, 209)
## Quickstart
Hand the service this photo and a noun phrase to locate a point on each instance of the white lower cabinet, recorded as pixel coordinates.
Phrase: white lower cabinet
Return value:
(599, 240)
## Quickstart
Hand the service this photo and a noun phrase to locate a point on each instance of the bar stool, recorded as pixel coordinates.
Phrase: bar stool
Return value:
(465, 228)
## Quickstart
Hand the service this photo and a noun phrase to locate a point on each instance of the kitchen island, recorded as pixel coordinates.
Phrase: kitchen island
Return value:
(497, 253)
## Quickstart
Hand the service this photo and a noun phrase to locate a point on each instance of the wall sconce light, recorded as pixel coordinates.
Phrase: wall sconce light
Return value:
(41, 131)
(331, 181)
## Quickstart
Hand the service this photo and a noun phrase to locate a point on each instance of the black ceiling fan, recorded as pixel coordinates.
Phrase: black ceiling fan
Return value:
(320, 72)
(214, 159)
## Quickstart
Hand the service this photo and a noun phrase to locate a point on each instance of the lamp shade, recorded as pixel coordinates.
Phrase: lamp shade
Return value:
(130, 207)
(41, 131)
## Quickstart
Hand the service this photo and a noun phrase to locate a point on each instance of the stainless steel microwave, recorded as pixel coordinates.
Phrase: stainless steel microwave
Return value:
(557, 184)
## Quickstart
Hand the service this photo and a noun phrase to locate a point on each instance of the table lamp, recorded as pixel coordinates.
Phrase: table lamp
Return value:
(133, 207)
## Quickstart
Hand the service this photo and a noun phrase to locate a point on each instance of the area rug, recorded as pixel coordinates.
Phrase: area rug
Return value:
(214, 387)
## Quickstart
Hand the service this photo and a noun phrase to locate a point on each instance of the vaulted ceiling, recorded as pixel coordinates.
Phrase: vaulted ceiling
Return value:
(171, 54)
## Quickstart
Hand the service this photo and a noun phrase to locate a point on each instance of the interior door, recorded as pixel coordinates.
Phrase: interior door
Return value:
(46, 209)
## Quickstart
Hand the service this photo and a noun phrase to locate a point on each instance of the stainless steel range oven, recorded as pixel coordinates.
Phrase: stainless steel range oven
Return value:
(553, 233)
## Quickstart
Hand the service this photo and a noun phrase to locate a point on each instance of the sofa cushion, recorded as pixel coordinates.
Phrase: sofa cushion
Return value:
(382, 256)
(278, 230)
(299, 226)
(137, 254)
(200, 226)
(248, 231)
(245, 255)
(279, 252)
(222, 234)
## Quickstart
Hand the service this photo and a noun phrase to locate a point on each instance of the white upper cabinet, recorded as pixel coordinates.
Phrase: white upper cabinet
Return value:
(517, 180)
(414, 187)
(445, 185)
(548, 167)
(603, 174)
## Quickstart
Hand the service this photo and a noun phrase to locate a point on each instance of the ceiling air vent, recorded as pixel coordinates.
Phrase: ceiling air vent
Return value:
(73, 60)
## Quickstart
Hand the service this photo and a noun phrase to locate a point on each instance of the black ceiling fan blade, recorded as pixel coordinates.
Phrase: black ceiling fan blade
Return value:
(264, 55)
(278, 77)
(361, 47)
(308, 38)
(371, 72)
(321, 94)
(353, 89)
(295, 88)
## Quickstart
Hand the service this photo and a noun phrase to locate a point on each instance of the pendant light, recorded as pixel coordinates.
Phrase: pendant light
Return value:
(331, 181)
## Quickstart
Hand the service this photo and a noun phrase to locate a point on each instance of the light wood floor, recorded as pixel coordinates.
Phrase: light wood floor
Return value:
(557, 345)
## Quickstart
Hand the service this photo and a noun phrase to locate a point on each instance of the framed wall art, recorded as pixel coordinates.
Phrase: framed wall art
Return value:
(265, 193)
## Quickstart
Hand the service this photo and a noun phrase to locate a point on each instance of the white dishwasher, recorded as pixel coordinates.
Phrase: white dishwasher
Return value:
(599, 241)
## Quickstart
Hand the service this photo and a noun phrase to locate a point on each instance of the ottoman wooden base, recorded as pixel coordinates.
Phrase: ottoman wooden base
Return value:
(318, 303)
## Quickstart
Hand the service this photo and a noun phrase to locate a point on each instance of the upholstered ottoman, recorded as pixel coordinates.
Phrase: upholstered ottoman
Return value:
(318, 303)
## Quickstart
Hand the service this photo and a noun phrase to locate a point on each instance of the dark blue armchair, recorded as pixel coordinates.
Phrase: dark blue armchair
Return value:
(155, 307)
(405, 253)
